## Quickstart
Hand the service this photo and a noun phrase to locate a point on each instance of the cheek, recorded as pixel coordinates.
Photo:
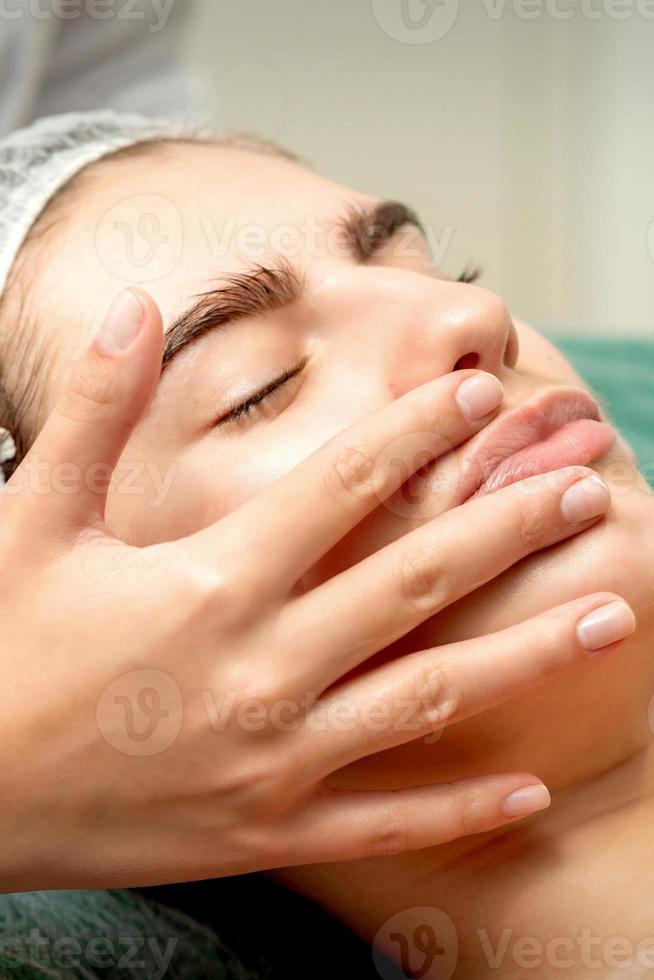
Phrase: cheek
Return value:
(153, 501)
(617, 555)
(164, 497)
(538, 356)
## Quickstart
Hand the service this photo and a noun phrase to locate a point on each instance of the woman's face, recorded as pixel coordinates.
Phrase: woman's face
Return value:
(351, 320)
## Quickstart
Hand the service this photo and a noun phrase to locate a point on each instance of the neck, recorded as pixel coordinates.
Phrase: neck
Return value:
(577, 872)
(587, 735)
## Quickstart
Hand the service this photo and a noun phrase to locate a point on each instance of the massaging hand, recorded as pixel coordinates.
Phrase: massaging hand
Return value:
(169, 712)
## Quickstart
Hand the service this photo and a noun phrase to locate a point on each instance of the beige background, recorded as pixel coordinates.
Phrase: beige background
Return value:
(525, 140)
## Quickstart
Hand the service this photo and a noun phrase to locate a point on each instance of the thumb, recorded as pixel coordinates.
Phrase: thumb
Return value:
(82, 440)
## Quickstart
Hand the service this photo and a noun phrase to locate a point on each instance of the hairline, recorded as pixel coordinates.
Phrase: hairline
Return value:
(21, 408)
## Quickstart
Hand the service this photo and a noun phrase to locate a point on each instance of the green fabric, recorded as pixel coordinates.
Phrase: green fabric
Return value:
(108, 934)
(622, 373)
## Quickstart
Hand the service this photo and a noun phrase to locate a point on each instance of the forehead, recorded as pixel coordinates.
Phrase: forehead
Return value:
(174, 220)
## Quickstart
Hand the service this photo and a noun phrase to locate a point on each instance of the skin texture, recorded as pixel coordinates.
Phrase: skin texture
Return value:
(372, 332)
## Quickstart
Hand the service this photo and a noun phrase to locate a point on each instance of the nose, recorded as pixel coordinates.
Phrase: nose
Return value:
(465, 326)
(422, 327)
(414, 327)
(450, 326)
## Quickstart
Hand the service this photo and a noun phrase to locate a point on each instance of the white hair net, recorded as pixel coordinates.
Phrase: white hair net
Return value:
(39, 160)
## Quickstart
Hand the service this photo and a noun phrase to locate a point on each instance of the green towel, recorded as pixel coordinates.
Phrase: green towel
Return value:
(109, 934)
(622, 373)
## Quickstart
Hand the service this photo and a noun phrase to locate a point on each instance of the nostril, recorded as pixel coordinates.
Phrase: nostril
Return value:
(512, 349)
(466, 362)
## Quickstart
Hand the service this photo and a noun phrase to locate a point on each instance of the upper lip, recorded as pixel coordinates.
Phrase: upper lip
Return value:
(528, 424)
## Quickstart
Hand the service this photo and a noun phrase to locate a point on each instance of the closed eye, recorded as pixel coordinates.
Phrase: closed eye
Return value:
(251, 406)
(369, 231)
(471, 273)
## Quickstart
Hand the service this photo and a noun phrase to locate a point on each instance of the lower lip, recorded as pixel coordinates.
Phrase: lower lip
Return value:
(575, 444)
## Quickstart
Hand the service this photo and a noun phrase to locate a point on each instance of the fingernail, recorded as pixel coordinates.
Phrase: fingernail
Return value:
(479, 395)
(585, 499)
(527, 800)
(606, 625)
(122, 323)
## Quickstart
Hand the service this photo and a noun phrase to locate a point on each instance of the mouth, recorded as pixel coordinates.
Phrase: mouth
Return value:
(559, 427)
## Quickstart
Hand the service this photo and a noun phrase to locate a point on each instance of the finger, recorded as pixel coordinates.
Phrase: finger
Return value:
(64, 478)
(392, 591)
(345, 825)
(420, 694)
(308, 510)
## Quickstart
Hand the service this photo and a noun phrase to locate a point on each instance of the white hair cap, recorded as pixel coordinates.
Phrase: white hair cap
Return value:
(39, 160)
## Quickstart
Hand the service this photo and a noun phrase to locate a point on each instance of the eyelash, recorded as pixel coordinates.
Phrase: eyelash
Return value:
(470, 274)
(246, 409)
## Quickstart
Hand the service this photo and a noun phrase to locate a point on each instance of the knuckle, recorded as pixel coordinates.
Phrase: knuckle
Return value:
(217, 587)
(555, 653)
(463, 813)
(437, 696)
(263, 686)
(260, 692)
(393, 836)
(213, 593)
(553, 661)
(424, 580)
(536, 524)
(254, 789)
(354, 474)
(92, 393)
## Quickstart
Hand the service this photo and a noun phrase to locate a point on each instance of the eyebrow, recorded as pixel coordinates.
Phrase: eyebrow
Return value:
(266, 288)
